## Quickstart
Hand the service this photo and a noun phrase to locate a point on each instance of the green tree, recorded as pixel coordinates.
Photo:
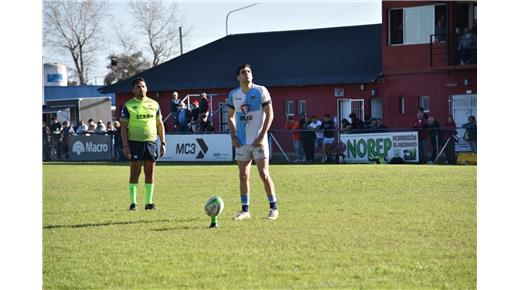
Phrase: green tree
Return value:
(125, 65)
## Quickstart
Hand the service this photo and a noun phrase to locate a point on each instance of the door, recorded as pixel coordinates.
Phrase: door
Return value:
(348, 106)
(463, 106)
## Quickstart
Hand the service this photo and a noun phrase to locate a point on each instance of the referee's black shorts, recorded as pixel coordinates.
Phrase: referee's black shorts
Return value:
(142, 150)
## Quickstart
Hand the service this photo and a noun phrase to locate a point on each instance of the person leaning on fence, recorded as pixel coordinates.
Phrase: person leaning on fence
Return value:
(450, 138)
(110, 128)
(204, 106)
(101, 128)
(420, 125)
(433, 134)
(46, 140)
(356, 125)
(174, 106)
(380, 126)
(118, 144)
(183, 118)
(308, 138)
(91, 127)
(470, 134)
(56, 136)
(204, 124)
(82, 128)
(328, 138)
(292, 124)
(195, 112)
(346, 127)
(315, 125)
(66, 132)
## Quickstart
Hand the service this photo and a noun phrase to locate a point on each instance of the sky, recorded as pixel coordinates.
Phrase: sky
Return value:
(206, 22)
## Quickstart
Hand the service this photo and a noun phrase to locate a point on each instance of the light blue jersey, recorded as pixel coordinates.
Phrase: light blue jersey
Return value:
(249, 113)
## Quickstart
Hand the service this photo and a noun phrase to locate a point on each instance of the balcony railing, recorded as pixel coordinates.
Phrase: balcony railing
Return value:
(444, 51)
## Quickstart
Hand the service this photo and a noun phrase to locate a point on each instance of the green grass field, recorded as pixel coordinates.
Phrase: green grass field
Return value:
(340, 226)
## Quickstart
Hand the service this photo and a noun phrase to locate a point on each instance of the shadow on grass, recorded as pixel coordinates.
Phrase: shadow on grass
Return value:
(104, 224)
(84, 211)
(186, 220)
(176, 228)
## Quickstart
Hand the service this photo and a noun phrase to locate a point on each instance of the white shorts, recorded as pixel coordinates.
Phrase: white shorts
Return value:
(248, 153)
(328, 140)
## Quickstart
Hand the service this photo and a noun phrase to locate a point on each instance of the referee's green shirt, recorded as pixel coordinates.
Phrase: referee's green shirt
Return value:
(142, 117)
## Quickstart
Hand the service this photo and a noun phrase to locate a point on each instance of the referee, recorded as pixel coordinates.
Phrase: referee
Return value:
(141, 122)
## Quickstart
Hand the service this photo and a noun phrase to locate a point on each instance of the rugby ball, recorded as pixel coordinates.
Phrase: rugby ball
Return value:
(214, 206)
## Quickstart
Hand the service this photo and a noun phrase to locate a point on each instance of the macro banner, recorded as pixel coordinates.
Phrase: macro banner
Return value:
(90, 148)
(366, 148)
(198, 148)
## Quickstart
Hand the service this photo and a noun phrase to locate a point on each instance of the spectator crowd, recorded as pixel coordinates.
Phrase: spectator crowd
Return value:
(310, 135)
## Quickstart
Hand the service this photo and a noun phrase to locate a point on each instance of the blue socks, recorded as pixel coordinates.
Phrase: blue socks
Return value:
(245, 202)
(272, 201)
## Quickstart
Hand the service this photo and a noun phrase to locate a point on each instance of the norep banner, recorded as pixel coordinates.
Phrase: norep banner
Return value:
(361, 148)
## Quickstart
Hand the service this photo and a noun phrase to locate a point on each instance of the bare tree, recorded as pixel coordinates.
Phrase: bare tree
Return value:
(75, 27)
(160, 22)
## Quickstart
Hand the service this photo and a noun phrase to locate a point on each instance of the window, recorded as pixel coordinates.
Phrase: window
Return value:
(424, 102)
(396, 26)
(302, 107)
(418, 24)
(289, 108)
(377, 108)
(415, 25)
(402, 105)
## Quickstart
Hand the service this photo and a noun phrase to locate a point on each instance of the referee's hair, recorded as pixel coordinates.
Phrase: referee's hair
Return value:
(136, 81)
(243, 66)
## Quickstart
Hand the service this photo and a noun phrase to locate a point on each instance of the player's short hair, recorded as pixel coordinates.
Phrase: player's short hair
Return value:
(136, 81)
(243, 66)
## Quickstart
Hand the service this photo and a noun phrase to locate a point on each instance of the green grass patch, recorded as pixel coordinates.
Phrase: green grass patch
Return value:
(340, 226)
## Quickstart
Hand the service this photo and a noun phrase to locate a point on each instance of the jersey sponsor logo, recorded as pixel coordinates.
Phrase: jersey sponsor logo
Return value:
(245, 108)
(144, 116)
(246, 118)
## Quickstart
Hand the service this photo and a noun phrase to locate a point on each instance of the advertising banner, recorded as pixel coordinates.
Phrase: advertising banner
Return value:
(198, 147)
(90, 148)
(363, 148)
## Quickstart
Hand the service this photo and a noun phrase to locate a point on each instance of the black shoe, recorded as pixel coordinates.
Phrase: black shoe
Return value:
(212, 225)
(150, 206)
(133, 206)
